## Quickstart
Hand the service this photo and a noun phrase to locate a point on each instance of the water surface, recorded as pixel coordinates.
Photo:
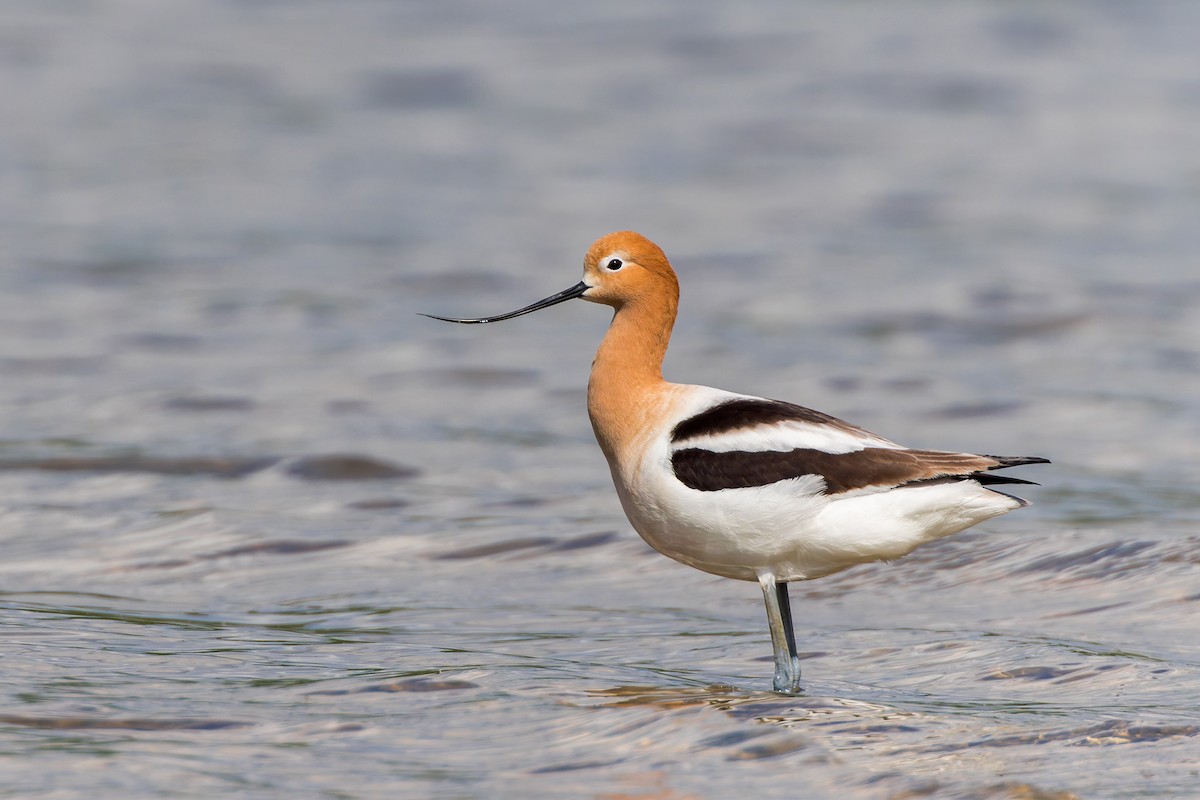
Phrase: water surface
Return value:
(265, 532)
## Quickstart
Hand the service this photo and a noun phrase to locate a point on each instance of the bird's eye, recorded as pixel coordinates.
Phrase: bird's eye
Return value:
(615, 264)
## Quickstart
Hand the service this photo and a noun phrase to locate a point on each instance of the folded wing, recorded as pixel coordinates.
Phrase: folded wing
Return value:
(745, 442)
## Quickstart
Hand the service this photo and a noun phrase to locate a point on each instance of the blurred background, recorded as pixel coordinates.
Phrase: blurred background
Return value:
(264, 530)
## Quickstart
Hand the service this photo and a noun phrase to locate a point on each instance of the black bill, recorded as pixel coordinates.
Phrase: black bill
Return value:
(566, 294)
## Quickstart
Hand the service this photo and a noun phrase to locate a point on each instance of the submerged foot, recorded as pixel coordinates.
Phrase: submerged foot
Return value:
(787, 677)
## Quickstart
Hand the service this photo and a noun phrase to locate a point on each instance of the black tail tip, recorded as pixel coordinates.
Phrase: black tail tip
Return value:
(1016, 461)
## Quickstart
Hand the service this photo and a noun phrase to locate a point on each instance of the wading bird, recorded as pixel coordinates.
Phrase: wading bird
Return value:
(745, 487)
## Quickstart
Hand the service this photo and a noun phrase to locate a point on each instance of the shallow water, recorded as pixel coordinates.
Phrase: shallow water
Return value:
(265, 532)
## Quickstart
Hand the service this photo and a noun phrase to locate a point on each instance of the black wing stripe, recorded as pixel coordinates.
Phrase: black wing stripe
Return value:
(740, 414)
(707, 471)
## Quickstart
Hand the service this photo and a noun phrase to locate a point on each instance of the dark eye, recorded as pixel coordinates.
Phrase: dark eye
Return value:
(615, 264)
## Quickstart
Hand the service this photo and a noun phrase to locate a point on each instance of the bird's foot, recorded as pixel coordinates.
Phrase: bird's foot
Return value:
(787, 677)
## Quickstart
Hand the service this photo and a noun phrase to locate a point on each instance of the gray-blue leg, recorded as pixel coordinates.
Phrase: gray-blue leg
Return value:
(783, 638)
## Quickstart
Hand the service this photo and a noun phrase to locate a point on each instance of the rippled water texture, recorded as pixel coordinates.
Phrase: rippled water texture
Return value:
(265, 532)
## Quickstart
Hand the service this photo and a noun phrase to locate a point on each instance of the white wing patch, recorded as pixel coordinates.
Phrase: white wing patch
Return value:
(785, 436)
(807, 430)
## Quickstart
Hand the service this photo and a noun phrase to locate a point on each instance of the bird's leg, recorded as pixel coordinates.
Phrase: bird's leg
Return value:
(783, 638)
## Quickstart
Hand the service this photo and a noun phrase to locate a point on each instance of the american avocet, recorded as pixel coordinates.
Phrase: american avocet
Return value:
(745, 487)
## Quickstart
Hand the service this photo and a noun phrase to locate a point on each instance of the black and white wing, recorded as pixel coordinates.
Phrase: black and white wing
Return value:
(740, 442)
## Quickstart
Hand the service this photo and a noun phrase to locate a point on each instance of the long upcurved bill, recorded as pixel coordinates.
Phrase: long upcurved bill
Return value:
(566, 294)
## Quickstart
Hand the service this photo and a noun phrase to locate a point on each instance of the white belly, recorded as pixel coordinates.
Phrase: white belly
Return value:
(791, 529)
